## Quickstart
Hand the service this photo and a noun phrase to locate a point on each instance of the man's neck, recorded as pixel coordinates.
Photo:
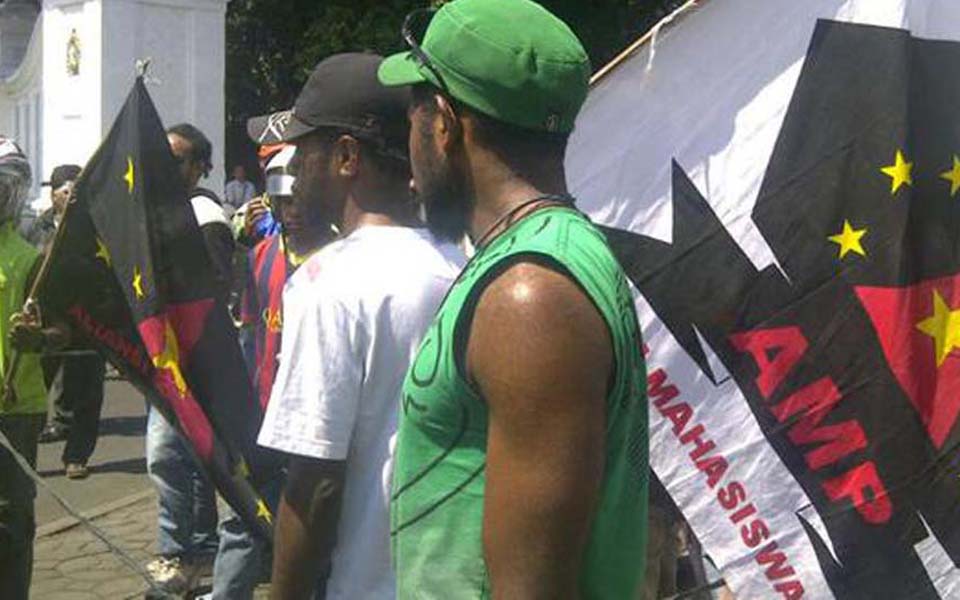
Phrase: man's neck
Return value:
(307, 242)
(355, 217)
(498, 191)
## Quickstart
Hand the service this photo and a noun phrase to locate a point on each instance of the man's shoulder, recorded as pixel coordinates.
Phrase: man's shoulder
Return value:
(262, 248)
(207, 208)
(422, 251)
(375, 261)
(202, 192)
(15, 240)
(266, 243)
(336, 261)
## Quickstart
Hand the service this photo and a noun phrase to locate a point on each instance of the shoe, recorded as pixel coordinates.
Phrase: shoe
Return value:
(172, 576)
(76, 471)
(53, 433)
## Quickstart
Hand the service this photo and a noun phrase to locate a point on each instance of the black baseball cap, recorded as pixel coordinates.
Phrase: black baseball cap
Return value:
(63, 174)
(343, 92)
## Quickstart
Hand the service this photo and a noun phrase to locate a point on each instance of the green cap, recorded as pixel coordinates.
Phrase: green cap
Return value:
(510, 59)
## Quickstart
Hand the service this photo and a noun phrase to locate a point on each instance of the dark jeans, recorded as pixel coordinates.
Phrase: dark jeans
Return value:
(17, 525)
(187, 502)
(76, 393)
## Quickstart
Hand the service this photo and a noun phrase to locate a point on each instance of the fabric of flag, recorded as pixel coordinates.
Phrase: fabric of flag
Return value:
(131, 272)
(781, 181)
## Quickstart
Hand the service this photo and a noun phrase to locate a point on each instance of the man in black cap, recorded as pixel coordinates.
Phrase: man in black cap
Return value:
(353, 315)
(61, 182)
(75, 377)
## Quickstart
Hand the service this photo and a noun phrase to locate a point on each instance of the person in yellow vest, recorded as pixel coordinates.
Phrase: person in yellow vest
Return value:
(23, 405)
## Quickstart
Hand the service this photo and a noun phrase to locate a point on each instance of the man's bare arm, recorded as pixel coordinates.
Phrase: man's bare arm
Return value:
(306, 526)
(541, 356)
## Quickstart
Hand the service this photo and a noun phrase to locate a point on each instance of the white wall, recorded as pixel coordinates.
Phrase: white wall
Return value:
(21, 108)
(72, 119)
(185, 41)
(61, 118)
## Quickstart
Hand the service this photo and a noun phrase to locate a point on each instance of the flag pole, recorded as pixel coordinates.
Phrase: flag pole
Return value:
(651, 34)
(30, 305)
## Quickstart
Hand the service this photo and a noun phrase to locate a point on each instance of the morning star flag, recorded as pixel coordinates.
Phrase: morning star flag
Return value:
(781, 181)
(131, 272)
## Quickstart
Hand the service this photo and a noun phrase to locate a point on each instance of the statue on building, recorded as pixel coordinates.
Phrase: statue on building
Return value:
(73, 54)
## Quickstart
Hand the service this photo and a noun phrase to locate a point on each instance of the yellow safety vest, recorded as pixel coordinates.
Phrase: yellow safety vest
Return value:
(17, 258)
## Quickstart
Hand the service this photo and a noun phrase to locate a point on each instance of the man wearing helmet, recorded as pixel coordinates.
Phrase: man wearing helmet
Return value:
(23, 405)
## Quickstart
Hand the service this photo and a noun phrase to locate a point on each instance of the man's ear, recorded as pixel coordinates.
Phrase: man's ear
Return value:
(447, 127)
(346, 156)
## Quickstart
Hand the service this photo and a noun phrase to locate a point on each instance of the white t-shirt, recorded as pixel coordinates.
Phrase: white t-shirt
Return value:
(353, 318)
(207, 211)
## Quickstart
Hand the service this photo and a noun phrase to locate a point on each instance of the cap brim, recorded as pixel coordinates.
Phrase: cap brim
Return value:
(400, 69)
(277, 128)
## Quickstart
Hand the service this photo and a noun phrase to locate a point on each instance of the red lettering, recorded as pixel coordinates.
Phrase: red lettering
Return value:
(731, 495)
(787, 344)
(113, 340)
(776, 570)
(791, 590)
(813, 402)
(655, 389)
(743, 513)
(862, 485)
(754, 533)
(714, 467)
(679, 414)
(702, 447)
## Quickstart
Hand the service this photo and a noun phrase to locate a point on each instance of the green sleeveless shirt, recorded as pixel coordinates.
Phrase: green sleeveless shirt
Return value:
(16, 260)
(438, 485)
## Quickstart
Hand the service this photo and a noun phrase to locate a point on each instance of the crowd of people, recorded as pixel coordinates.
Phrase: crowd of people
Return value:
(445, 349)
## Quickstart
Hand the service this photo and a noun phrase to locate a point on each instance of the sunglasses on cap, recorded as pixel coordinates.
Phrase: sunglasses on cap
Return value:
(416, 17)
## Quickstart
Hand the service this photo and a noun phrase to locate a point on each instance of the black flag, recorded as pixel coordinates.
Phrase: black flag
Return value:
(131, 272)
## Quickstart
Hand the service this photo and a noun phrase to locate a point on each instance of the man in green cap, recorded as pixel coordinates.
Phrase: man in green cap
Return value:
(521, 459)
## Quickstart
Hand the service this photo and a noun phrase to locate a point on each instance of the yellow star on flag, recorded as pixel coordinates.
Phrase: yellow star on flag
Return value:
(129, 176)
(102, 252)
(242, 470)
(943, 326)
(263, 512)
(953, 176)
(169, 359)
(138, 283)
(900, 172)
(849, 240)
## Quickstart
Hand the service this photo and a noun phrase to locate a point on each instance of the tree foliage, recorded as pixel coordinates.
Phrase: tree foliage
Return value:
(272, 46)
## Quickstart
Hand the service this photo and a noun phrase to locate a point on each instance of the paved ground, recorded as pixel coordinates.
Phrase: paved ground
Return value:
(70, 563)
(75, 565)
(117, 466)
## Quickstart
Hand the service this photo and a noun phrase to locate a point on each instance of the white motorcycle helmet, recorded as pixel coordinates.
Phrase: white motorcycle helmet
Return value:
(15, 180)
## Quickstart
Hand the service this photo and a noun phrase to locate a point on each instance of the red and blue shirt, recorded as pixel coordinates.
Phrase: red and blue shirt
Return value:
(262, 310)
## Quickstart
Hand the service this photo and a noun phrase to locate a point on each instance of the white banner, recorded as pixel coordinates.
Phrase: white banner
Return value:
(782, 184)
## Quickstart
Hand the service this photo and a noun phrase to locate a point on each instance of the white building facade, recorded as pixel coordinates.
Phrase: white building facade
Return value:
(66, 66)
